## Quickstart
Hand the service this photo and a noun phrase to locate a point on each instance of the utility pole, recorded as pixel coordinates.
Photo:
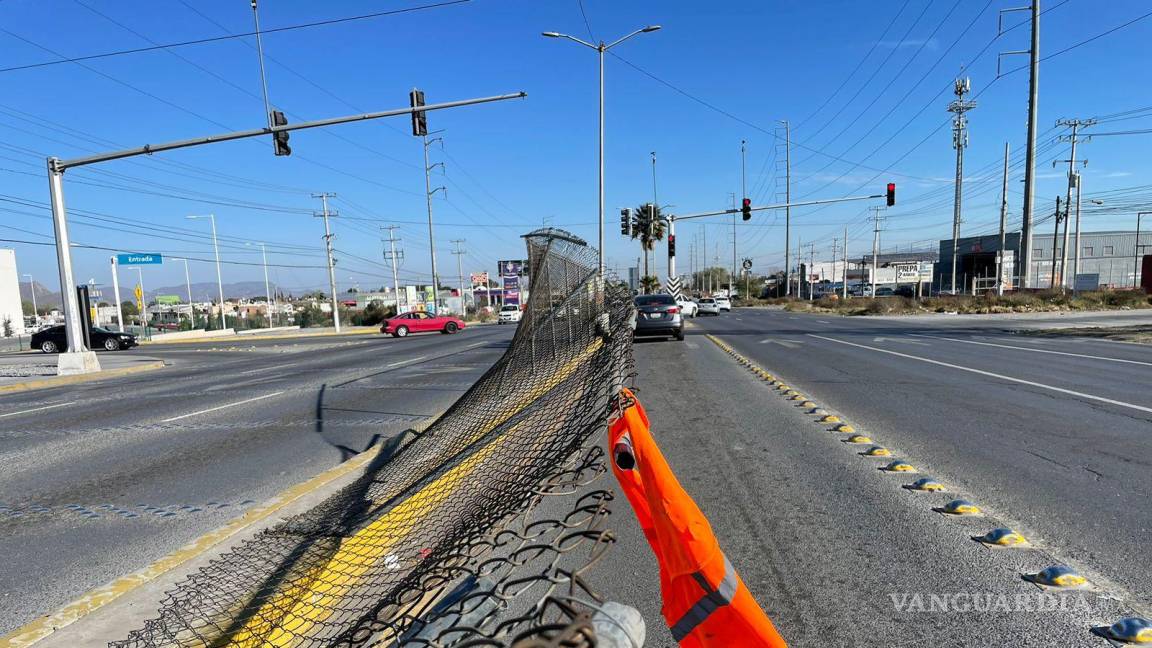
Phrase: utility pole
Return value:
(459, 253)
(835, 246)
(787, 200)
(268, 300)
(1138, 247)
(844, 287)
(331, 262)
(743, 195)
(1073, 183)
(1033, 52)
(1003, 225)
(428, 192)
(811, 270)
(392, 257)
(876, 250)
(959, 142)
(1055, 238)
(32, 291)
(116, 293)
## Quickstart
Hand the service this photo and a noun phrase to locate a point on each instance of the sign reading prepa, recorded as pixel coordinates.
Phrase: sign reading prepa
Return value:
(139, 259)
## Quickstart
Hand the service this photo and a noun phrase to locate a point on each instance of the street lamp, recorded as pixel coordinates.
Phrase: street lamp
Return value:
(188, 284)
(600, 49)
(267, 292)
(32, 290)
(219, 279)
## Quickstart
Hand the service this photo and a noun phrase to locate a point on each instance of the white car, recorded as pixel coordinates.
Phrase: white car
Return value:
(723, 303)
(708, 306)
(688, 307)
(509, 313)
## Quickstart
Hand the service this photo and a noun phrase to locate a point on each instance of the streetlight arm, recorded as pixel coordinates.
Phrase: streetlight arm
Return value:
(624, 38)
(571, 38)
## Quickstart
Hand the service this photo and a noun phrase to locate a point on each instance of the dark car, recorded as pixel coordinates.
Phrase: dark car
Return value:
(885, 292)
(906, 291)
(658, 315)
(53, 339)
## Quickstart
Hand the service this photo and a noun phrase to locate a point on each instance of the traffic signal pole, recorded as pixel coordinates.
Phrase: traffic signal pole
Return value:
(77, 359)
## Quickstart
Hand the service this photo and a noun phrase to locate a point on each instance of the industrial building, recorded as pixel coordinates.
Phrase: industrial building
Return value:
(11, 309)
(1107, 260)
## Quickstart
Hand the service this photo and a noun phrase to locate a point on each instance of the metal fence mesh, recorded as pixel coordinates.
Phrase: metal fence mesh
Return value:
(473, 532)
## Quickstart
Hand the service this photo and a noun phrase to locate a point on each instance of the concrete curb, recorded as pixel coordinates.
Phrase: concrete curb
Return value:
(204, 548)
(56, 381)
(248, 338)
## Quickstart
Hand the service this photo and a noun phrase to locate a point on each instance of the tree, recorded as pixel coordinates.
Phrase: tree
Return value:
(8, 332)
(130, 309)
(26, 307)
(650, 283)
(710, 279)
(652, 219)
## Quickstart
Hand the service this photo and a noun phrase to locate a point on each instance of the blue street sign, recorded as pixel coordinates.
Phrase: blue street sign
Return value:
(139, 258)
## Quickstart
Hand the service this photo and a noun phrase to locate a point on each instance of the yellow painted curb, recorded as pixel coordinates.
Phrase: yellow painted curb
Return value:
(95, 599)
(243, 338)
(57, 381)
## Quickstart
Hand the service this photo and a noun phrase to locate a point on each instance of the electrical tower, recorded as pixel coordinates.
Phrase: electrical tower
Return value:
(959, 106)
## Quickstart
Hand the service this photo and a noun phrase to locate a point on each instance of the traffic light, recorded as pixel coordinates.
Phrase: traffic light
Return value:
(746, 209)
(280, 138)
(626, 222)
(671, 245)
(419, 118)
(891, 193)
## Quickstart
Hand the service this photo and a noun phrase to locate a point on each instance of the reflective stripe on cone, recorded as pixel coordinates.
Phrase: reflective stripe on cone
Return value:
(705, 603)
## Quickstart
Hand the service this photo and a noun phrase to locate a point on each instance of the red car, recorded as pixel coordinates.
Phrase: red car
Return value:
(402, 325)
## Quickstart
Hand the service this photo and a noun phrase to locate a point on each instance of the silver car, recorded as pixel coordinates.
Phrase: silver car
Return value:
(658, 315)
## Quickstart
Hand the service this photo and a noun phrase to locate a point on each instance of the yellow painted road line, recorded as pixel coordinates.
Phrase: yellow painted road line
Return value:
(990, 374)
(220, 407)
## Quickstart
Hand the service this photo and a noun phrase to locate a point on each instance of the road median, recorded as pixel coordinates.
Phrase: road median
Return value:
(59, 381)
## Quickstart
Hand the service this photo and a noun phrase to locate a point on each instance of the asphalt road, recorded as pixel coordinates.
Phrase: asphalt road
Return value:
(834, 549)
(102, 478)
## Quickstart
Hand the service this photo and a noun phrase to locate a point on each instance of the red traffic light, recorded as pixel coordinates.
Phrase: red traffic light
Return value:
(891, 193)
(746, 209)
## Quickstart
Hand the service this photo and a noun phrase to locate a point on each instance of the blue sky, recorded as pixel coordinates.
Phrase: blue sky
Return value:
(865, 86)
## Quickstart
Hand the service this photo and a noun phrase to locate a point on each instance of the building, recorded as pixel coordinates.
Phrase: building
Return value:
(11, 308)
(893, 269)
(1107, 260)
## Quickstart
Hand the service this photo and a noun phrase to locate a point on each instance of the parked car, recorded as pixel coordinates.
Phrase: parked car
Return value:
(708, 306)
(724, 304)
(509, 313)
(54, 339)
(658, 315)
(905, 291)
(688, 307)
(885, 292)
(401, 325)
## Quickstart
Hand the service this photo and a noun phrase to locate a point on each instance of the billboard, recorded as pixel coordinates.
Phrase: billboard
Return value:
(512, 268)
(480, 279)
(512, 290)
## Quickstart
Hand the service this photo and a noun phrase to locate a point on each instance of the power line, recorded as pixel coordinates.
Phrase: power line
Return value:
(215, 39)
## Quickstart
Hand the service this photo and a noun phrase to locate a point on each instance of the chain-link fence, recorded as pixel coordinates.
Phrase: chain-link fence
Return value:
(474, 532)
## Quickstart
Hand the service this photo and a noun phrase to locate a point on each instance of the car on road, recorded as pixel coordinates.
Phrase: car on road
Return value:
(688, 307)
(724, 303)
(905, 291)
(885, 292)
(658, 315)
(708, 306)
(418, 322)
(54, 339)
(509, 313)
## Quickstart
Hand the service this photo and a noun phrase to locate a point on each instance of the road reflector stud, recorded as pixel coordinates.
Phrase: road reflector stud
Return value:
(1002, 537)
(783, 387)
(845, 428)
(819, 411)
(807, 404)
(878, 451)
(858, 438)
(926, 485)
(830, 418)
(900, 466)
(1057, 576)
(1135, 631)
(961, 507)
(799, 397)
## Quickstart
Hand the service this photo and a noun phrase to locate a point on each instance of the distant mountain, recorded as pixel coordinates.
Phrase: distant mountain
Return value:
(201, 291)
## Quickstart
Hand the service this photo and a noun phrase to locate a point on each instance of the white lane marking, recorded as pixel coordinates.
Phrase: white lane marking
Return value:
(824, 321)
(991, 374)
(896, 339)
(252, 371)
(783, 343)
(416, 359)
(34, 409)
(220, 407)
(1063, 353)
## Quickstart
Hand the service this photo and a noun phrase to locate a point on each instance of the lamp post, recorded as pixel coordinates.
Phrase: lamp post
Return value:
(267, 291)
(600, 49)
(219, 278)
(188, 285)
(32, 290)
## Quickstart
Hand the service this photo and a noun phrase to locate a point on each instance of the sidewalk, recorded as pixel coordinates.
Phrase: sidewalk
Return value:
(30, 370)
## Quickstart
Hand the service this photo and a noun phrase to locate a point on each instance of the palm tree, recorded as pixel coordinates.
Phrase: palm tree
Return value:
(649, 283)
(648, 236)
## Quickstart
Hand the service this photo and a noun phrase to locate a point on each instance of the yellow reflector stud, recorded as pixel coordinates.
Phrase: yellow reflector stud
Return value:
(830, 418)
(1002, 537)
(900, 466)
(961, 507)
(926, 484)
(858, 438)
(878, 451)
(845, 428)
(1132, 630)
(1058, 576)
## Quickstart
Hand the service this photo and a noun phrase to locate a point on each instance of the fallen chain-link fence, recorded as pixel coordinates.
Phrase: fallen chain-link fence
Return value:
(475, 532)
